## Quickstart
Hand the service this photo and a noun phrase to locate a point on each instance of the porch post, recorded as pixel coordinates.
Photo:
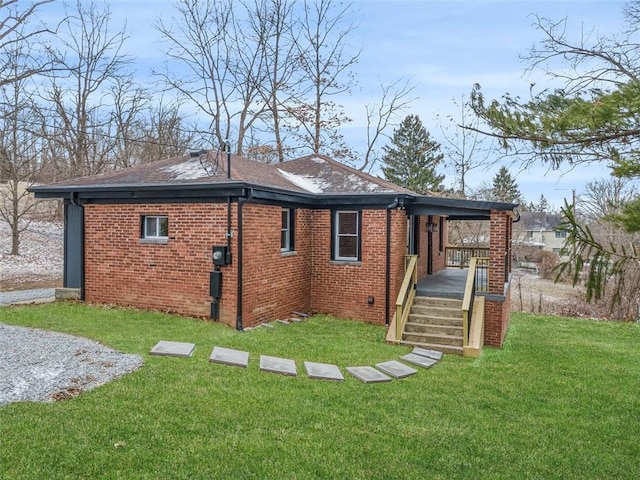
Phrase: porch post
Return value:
(498, 300)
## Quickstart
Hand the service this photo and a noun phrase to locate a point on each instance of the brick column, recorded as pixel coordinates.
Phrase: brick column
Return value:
(497, 305)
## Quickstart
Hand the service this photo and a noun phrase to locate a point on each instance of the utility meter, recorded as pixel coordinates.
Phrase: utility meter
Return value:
(220, 255)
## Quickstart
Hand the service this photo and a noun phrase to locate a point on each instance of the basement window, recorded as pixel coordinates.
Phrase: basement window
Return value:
(155, 228)
(346, 236)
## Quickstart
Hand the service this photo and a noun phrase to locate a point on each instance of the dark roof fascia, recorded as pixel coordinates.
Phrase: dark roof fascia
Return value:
(200, 192)
(203, 192)
(459, 209)
(128, 193)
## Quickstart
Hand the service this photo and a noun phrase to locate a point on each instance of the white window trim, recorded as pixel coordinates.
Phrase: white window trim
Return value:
(337, 235)
(287, 230)
(157, 219)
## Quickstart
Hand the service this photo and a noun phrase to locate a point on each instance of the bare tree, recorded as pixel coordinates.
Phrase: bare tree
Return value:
(163, 134)
(394, 100)
(15, 32)
(129, 102)
(325, 66)
(216, 64)
(19, 147)
(466, 149)
(90, 63)
(603, 199)
(21, 44)
(275, 19)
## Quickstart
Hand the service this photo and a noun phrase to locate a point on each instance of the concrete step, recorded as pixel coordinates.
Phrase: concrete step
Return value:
(435, 320)
(436, 339)
(452, 349)
(438, 302)
(430, 329)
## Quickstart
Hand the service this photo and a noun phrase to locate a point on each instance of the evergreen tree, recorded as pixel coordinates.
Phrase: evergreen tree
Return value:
(412, 158)
(593, 117)
(505, 188)
(542, 205)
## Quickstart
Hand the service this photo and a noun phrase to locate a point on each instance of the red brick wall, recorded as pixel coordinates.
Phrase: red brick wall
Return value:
(423, 247)
(274, 283)
(342, 288)
(497, 312)
(120, 268)
(439, 258)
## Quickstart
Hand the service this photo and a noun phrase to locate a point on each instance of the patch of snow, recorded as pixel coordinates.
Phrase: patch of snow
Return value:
(189, 170)
(310, 184)
(318, 160)
(41, 252)
(361, 184)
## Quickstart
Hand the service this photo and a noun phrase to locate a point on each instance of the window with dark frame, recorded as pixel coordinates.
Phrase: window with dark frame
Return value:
(287, 230)
(561, 234)
(346, 240)
(155, 227)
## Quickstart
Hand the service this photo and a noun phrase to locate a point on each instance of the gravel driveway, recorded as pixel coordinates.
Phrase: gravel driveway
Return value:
(44, 366)
(20, 296)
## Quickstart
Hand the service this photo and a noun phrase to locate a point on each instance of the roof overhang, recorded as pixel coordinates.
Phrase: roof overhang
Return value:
(455, 209)
(459, 209)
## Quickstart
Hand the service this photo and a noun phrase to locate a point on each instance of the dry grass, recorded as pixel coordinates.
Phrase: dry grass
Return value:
(532, 294)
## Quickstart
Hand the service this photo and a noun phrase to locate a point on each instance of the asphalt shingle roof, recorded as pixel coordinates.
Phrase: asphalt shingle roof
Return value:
(313, 174)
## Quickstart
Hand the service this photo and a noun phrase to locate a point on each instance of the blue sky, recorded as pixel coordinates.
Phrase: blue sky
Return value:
(444, 47)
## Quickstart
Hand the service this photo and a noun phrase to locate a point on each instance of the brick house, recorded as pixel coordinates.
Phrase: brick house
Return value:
(221, 236)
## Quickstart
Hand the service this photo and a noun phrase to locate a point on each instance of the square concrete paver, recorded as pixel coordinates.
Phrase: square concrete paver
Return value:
(368, 374)
(283, 366)
(323, 371)
(229, 356)
(434, 354)
(419, 360)
(396, 369)
(173, 349)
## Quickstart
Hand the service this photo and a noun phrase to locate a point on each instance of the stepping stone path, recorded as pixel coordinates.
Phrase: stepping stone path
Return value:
(428, 353)
(323, 371)
(173, 349)
(383, 372)
(425, 362)
(229, 356)
(396, 369)
(279, 365)
(368, 374)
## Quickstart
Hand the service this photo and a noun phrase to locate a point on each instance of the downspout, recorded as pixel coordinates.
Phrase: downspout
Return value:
(388, 262)
(75, 200)
(241, 202)
(228, 148)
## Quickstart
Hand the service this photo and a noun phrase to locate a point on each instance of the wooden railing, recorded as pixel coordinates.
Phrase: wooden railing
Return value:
(406, 295)
(477, 280)
(461, 256)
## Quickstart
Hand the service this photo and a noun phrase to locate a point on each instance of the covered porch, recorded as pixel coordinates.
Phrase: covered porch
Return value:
(451, 282)
(464, 303)
(447, 283)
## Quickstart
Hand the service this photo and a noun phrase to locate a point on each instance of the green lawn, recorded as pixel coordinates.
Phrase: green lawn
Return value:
(560, 400)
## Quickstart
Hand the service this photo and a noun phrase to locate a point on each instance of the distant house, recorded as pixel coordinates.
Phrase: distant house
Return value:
(539, 230)
(244, 243)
